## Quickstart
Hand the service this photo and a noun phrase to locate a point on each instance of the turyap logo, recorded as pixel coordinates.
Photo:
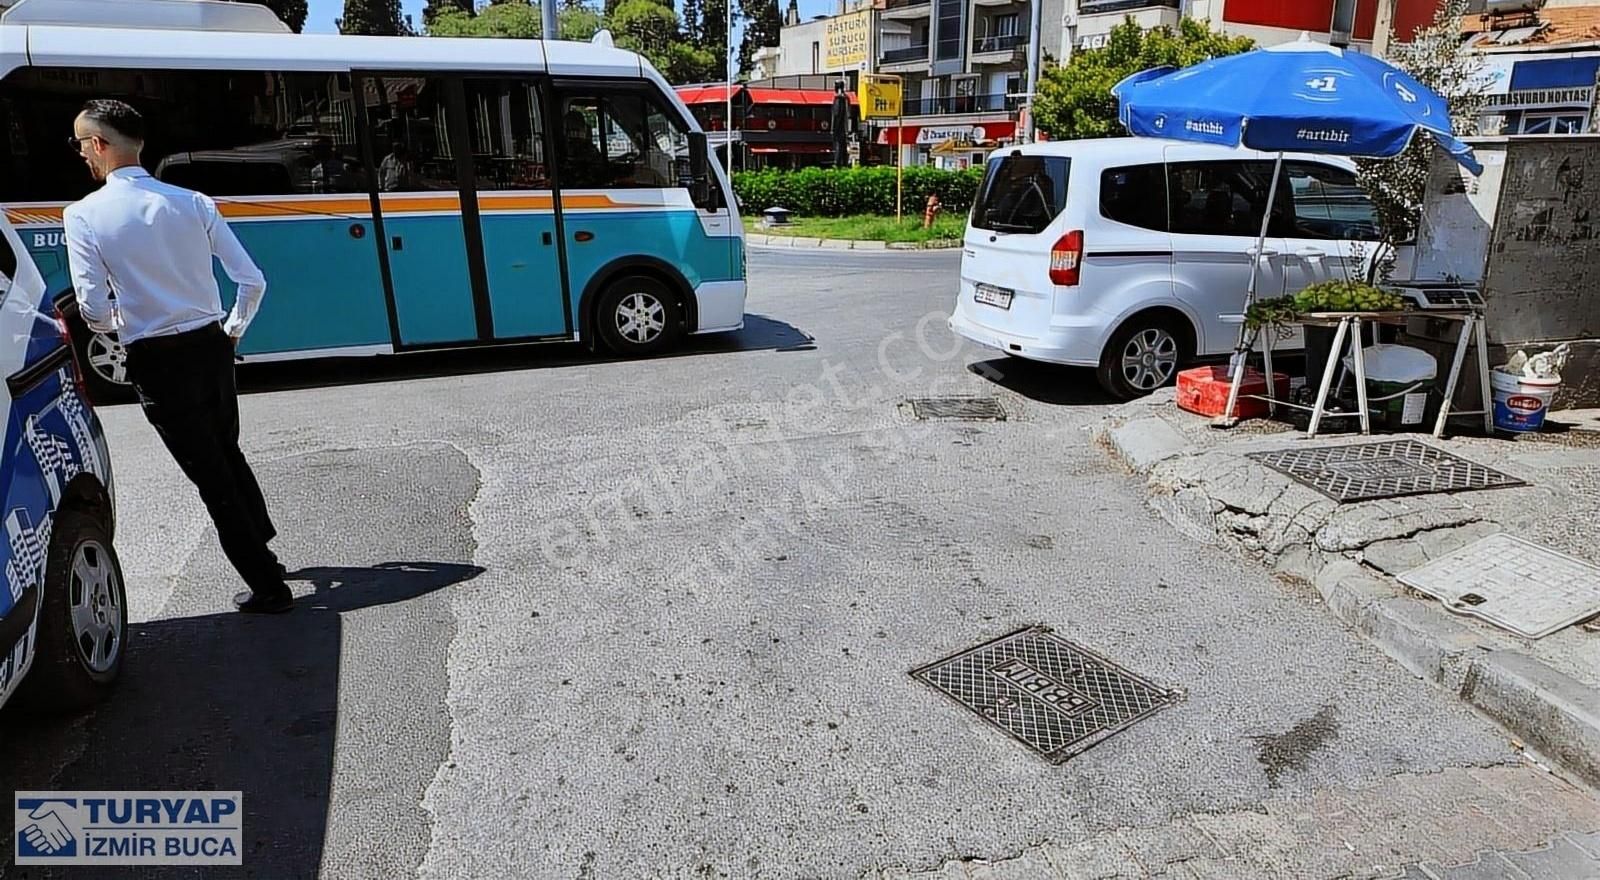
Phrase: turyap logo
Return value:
(1200, 126)
(128, 827)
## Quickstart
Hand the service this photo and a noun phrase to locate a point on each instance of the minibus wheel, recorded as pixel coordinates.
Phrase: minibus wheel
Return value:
(638, 315)
(102, 361)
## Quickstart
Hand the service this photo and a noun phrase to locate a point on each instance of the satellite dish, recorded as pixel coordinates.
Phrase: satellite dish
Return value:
(603, 39)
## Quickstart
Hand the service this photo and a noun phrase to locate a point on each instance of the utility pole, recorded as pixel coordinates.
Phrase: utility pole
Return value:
(1383, 27)
(547, 15)
(1343, 26)
(728, 57)
(1035, 37)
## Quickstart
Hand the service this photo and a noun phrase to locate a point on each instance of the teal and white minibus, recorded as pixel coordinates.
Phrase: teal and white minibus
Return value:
(400, 193)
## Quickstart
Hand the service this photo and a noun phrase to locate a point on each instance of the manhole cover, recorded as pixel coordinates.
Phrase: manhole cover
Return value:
(970, 408)
(1514, 584)
(1056, 697)
(1387, 469)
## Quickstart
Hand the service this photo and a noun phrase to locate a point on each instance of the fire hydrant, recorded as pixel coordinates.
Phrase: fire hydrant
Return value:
(931, 211)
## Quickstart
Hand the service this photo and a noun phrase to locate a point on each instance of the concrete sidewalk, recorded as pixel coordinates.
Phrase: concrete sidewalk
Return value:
(1546, 692)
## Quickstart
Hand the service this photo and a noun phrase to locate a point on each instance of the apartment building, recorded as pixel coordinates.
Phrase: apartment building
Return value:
(964, 69)
(964, 62)
(1088, 22)
(1541, 63)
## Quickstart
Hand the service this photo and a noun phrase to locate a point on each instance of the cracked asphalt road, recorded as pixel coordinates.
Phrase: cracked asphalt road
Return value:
(571, 617)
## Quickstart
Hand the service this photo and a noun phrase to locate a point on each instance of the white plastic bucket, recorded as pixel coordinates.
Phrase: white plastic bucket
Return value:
(1520, 402)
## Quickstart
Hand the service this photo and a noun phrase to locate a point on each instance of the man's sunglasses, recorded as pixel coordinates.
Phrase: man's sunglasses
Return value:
(76, 143)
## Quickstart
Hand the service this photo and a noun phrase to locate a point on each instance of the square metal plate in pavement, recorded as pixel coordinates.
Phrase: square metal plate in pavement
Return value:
(983, 409)
(1386, 469)
(1056, 697)
(1514, 584)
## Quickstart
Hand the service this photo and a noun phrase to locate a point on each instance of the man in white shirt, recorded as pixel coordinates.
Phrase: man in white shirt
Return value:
(141, 254)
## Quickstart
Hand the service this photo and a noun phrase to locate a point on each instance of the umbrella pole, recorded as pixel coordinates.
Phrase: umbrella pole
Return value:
(1241, 354)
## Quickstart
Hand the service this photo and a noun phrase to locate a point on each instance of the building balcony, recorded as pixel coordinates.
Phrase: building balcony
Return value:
(994, 3)
(917, 54)
(1098, 7)
(997, 50)
(953, 106)
(912, 9)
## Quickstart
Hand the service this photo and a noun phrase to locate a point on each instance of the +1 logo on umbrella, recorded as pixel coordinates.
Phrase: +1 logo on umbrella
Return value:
(1327, 83)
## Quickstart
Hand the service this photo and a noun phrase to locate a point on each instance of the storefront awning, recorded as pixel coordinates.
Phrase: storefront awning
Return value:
(769, 149)
(713, 94)
(808, 97)
(1555, 73)
(967, 137)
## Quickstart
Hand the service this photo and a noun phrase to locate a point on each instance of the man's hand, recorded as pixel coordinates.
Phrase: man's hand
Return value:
(48, 833)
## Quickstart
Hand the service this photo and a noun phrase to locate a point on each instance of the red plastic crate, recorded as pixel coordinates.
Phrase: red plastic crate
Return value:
(1204, 390)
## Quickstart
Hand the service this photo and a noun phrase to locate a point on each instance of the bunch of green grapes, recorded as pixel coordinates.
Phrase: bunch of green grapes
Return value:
(1346, 296)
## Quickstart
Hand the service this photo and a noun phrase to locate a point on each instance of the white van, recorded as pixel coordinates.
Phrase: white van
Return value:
(1132, 255)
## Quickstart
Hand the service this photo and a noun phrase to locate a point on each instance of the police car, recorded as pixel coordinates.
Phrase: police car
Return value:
(63, 609)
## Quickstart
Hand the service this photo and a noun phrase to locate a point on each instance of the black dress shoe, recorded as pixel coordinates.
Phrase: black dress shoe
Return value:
(255, 603)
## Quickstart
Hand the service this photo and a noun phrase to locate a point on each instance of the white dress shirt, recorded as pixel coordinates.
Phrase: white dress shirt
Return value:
(141, 253)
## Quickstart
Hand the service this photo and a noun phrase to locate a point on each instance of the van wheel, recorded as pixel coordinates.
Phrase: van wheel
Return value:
(83, 624)
(1143, 355)
(637, 315)
(103, 361)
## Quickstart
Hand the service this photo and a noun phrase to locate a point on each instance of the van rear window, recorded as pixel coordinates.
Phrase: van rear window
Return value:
(1021, 193)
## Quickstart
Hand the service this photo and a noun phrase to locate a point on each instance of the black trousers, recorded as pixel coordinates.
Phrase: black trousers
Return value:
(186, 388)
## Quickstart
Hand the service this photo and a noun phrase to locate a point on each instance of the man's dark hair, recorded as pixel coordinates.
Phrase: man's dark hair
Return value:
(116, 116)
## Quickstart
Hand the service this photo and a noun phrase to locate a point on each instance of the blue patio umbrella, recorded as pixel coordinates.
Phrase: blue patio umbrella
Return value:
(1304, 97)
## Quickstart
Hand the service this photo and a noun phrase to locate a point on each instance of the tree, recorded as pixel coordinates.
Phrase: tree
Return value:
(290, 12)
(694, 15)
(762, 22)
(434, 7)
(713, 29)
(1438, 59)
(691, 64)
(1075, 99)
(645, 26)
(373, 17)
(517, 19)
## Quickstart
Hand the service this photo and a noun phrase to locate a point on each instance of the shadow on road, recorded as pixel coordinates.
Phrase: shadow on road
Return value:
(1045, 383)
(760, 333)
(224, 702)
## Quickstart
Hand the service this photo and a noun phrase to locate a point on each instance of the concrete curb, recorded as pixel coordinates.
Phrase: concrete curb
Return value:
(1555, 714)
(1549, 711)
(842, 244)
(1146, 442)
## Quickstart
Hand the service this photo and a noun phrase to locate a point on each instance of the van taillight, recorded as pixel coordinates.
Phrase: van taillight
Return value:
(1066, 257)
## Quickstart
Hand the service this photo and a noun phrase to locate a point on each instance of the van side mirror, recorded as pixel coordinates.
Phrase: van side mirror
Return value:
(700, 180)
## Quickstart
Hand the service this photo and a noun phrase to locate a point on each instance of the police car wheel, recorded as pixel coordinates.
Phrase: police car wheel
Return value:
(638, 315)
(83, 625)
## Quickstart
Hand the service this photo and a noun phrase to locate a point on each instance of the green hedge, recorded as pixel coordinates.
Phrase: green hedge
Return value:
(842, 192)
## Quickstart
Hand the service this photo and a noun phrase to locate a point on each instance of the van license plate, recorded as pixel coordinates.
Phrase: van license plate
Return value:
(990, 295)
